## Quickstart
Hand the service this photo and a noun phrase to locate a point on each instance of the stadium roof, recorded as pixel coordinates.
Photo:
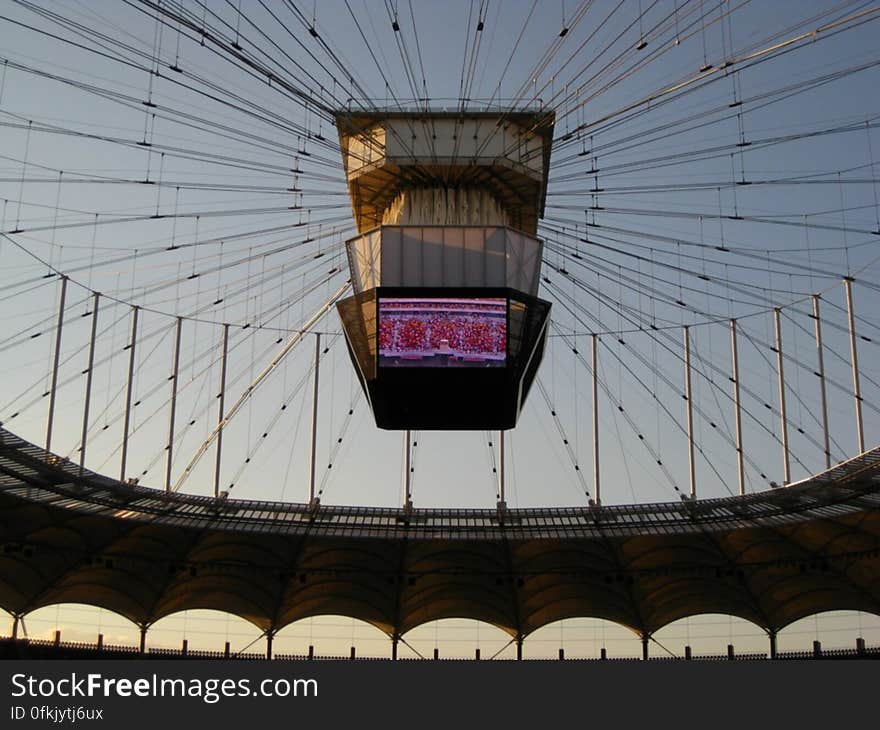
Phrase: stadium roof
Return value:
(69, 535)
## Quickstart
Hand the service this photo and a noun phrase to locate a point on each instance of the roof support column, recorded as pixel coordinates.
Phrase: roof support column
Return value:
(55, 364)
(128, 391)
(502, 502)
(270, 635)
(313, 502)
(854, 356)
(89, 377)
(786, 467)
(771, 633)
(740, 466)
(821, 373)
(222, 398)
(594, 342)
(143, 642)
(519, 646)
(174, 375)
(645, 639)
(407, 470)
(690, 412)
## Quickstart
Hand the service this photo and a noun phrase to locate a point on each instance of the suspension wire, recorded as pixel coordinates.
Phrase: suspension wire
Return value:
(624, 366)
(604, 258)
(260, 378)
(254, 447)
(565, 441)
(339, 443)
(747, 60)
(669, 382)
(277, 120)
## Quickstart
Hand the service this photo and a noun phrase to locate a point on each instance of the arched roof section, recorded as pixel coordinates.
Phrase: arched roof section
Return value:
(823, 614)
(83, 606)
(68, 535)
(704, 614)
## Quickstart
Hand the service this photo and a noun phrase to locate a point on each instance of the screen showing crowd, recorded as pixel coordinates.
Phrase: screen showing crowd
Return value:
(453, 332)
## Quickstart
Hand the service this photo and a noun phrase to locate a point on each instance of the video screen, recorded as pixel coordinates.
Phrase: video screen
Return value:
(454, 332)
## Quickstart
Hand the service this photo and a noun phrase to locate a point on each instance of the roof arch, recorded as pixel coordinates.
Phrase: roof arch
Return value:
(70, 535)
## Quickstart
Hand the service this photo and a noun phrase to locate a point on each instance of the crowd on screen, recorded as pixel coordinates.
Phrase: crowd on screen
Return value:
(432, 332)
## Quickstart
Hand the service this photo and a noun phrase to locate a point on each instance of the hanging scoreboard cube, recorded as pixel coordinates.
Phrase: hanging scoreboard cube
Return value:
(445, 328)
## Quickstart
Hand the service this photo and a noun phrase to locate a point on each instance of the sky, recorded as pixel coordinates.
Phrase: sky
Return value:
(735, 173)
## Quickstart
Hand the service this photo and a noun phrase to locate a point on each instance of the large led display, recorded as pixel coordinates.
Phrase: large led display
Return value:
(442, 332)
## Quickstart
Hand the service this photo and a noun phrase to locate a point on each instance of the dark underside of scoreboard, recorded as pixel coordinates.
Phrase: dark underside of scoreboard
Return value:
(440, 358)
